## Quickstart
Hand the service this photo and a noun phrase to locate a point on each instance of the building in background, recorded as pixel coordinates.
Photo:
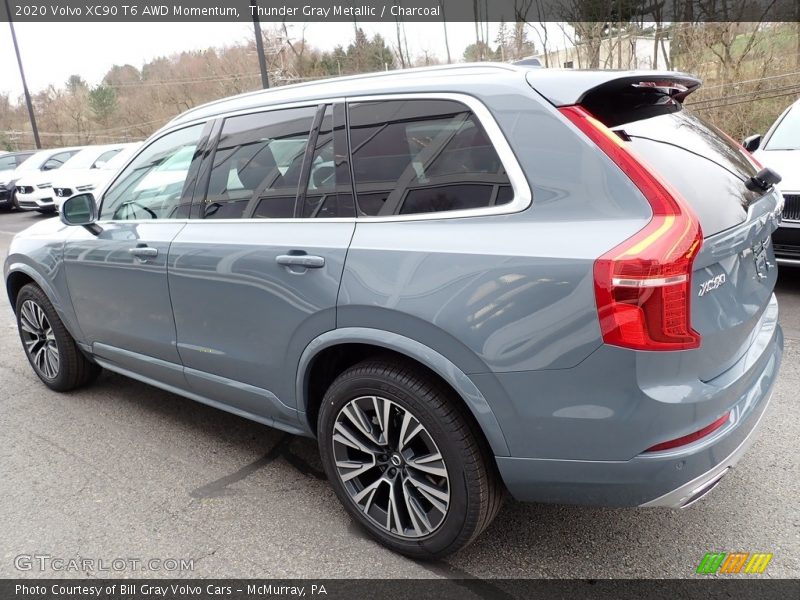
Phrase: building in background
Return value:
(616, 52)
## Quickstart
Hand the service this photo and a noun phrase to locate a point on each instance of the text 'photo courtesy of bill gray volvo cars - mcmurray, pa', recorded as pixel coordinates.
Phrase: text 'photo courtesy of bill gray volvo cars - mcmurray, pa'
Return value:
(485, 278)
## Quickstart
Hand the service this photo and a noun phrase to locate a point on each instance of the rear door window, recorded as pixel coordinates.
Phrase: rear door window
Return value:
(423, 156)
(329, 193)
(257, 165)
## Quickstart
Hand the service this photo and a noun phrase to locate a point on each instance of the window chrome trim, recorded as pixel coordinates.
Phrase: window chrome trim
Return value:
(522, 199)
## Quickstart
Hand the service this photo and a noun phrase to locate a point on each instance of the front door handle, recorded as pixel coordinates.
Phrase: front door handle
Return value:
(300, 260)
(143, 252)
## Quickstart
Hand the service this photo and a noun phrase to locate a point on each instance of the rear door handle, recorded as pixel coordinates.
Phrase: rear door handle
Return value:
(143, 252)
(300, 260)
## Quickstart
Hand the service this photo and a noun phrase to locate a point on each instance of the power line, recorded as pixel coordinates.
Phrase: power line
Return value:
(743, 94)
(711, 87)
(199, 79)
(61, 133)
(124, 127)
(794, 93)
(208, 79)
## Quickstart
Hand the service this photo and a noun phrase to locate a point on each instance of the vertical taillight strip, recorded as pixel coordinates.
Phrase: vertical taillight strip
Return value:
(643, 285)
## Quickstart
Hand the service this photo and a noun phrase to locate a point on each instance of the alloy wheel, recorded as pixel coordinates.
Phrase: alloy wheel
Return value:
(391, 467)
(39, 339)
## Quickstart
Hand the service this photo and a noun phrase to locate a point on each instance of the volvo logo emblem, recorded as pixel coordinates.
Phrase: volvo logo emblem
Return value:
(396, 460)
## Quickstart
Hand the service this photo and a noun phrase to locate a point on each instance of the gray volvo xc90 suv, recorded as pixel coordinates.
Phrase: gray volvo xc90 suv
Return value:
(460, 280)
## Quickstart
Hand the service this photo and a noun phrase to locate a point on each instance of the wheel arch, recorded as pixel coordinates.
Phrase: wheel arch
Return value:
(356, 343)
(19, 274)
(15, 281)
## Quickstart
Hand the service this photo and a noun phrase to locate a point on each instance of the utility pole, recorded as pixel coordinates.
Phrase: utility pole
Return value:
(262, 60)
(35, 130)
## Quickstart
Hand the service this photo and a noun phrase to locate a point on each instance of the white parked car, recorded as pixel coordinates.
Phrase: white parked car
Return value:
(8, 177)
(84, 176)
(33, 186)
(779, 150)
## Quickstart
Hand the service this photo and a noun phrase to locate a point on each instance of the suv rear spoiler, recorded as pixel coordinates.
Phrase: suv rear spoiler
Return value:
(567, 87)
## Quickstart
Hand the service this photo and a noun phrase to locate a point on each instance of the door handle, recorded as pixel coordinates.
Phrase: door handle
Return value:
(143, 252)
(300, 260)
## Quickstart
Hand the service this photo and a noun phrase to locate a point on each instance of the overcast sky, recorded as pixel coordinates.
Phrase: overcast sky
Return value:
(51, 52)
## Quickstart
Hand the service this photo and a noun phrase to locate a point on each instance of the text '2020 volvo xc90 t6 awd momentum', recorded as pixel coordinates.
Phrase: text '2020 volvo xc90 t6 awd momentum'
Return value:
(482, 278)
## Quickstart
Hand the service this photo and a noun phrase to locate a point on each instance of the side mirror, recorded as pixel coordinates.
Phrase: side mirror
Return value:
(752, 143)
(81, 210)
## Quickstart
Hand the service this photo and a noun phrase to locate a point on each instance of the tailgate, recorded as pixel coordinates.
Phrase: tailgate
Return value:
(734, 272)
(734, 276)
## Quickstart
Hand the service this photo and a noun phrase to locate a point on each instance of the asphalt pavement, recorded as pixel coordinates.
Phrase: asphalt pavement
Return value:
(125, 471)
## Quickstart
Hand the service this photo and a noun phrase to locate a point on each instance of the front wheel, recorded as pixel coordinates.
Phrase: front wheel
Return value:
(50, 349)
(406, 459)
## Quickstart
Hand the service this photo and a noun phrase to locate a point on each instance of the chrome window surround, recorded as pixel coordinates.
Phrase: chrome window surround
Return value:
(519, 184)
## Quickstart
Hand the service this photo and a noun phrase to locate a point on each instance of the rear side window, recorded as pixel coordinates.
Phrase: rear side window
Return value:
(423, 156)
(258, 164)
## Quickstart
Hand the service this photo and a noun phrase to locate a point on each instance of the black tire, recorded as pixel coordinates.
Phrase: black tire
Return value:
(475, 490)
(73, 369)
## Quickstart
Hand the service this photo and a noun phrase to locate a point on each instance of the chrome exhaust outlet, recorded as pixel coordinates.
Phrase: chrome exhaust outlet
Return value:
(703, 490)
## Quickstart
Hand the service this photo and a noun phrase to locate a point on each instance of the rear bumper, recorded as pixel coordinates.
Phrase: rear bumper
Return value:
(690, 492)
(674, 478)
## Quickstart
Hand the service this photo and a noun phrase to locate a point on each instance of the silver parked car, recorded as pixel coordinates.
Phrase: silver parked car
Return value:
(460, 280)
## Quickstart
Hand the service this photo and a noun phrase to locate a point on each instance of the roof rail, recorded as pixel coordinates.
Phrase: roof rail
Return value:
(360, 76)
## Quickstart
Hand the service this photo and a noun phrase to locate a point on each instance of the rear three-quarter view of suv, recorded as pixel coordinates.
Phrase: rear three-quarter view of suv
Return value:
(460, 280)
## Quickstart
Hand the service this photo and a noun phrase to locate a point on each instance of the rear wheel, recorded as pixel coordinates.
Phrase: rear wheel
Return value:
(50, 348)
(406, 460)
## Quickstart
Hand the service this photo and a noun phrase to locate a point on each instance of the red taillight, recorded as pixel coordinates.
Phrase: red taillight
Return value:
(643, 286)
(692, 437)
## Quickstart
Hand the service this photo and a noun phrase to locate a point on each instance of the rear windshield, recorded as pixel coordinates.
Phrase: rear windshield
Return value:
(703, 164)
